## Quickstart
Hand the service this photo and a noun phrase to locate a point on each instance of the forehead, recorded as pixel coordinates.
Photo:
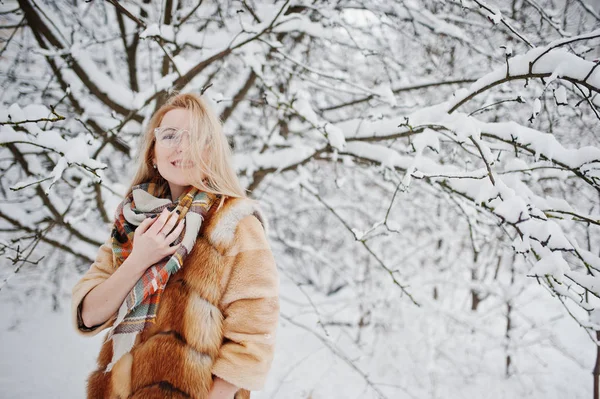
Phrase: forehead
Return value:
(177, 117)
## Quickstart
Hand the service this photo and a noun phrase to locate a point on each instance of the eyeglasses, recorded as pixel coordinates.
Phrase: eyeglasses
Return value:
(169, 136)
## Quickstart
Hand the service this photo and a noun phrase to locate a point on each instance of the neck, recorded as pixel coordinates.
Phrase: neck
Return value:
(176, 191)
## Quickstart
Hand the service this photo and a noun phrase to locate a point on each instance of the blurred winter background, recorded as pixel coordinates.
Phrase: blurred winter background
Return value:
(430, 170)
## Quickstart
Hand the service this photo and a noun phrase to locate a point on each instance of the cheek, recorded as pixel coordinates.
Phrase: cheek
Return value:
(161, 155)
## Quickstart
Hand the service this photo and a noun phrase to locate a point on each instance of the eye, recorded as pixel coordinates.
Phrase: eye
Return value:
(169, 134)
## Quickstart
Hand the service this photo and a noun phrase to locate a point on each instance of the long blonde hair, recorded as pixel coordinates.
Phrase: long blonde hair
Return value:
(205, 133)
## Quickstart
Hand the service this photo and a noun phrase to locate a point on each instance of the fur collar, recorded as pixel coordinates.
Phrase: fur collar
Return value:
(220, 225)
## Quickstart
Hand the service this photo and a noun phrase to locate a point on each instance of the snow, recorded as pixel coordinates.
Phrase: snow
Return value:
(57, 172)
(304, 355)
(253, 57)
(560, 94)
(46, 366)
(428, 138)
(521, 245)
(542, 143)
(25, 183)
(74, 150)
(537, 106)
(495, 15)
(15, 113)
(548, 62)
(482, 202)
(335, 136)
(551, 264)
(188, 35)
(117, 92)
(439, 25)
(383, 155)
(140, 99)
(589, 257)
(589, 282)
(557, 204)
(302, 23)
(512, 210)
(31, 112)
(151, 30)
(548, 231)
(385, 92)
(274, 159)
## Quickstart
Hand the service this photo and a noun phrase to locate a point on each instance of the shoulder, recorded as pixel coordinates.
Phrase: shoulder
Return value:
(236, 219)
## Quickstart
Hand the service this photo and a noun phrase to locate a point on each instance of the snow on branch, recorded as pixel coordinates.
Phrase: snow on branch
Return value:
(74, 151)
(548, 61)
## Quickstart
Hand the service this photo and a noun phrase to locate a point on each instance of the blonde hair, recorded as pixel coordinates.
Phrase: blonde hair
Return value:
(205, 133)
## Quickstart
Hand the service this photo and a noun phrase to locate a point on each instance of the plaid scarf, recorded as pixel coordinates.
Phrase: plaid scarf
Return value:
(139, 307)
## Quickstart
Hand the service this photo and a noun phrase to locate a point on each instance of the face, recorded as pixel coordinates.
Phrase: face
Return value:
(165, 158)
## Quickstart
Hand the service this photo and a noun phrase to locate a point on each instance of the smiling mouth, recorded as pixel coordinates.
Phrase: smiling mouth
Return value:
(181, 164)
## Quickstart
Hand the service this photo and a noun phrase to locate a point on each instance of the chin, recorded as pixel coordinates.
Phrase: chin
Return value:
(178, 181)
(175, 177)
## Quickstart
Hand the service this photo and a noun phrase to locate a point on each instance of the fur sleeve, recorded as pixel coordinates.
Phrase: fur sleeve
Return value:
(250, 308)
(99, 271)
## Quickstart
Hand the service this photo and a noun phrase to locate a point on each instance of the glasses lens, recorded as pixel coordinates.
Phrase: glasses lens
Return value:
(168, 136)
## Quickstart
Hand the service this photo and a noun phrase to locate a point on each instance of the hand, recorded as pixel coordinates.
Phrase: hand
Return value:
(219, 395)
(151, 242)
(221, 389)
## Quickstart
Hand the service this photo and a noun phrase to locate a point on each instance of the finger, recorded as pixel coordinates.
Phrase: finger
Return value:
(146, 223)
(160, 222)
(174, 249)
(170, 223)
(175, 233)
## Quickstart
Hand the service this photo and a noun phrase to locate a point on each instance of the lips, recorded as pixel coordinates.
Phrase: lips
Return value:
(179, 164)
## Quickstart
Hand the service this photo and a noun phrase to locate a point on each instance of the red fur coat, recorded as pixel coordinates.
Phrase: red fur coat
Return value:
(218, 315)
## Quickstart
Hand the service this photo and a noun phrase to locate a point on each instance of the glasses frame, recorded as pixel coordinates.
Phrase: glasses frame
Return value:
(178, 132)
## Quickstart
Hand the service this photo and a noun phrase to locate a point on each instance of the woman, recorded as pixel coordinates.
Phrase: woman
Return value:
(187, 281)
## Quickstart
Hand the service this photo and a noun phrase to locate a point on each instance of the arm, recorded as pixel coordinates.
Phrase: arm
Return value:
(250, 309)
(96, 298)
(99, 293)
(104, 300)
(100, 270)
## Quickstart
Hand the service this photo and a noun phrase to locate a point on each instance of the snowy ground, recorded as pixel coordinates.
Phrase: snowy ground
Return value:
(42, 357)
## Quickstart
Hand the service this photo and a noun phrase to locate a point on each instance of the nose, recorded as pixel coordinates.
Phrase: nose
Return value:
(181, 145)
